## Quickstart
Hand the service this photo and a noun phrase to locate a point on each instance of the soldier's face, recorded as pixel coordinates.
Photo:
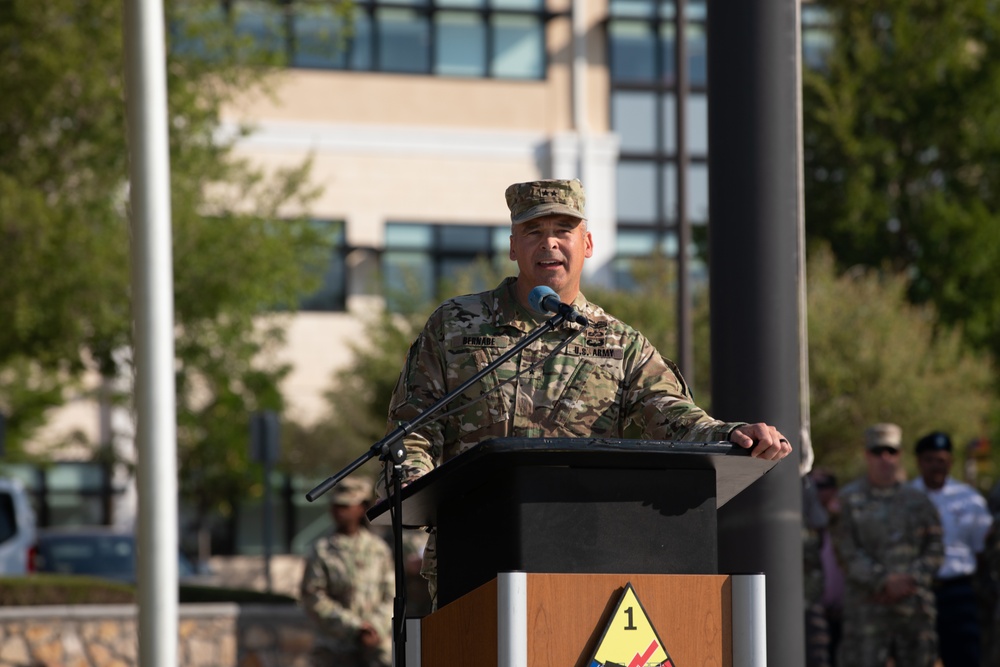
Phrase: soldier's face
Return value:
(550, 251)
(883, 465)
(934, 467)
(348, 517)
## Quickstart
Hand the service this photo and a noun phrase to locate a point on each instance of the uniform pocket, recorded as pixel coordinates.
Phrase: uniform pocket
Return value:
(590, 402)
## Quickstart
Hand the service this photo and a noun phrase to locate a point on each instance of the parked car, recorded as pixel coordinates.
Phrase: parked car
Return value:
(17, 527)
(98, 551)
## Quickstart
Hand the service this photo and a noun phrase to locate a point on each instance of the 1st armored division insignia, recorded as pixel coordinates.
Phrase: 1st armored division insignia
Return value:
(629, 639)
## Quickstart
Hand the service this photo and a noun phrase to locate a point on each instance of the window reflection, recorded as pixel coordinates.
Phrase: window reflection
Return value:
(517, 47)
(697, 193)
(633, 114)
(458, 48)
(419, 256)
(332, 292)
(531, 5)
(323, 38)
(404, 40)
(261, 24)
(632, 51)
(494, 38)
(637, 192)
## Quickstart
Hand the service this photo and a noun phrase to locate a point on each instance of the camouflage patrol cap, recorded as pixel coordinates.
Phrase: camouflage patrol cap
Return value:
(883, 435)
(351, 491)
(535, 199)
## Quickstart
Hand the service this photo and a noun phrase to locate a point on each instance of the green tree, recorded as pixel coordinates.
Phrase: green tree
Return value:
(902, 151)
(64, 246)
(360, 392)
(875, 357)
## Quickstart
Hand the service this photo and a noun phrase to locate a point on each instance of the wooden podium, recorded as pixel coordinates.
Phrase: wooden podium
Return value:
(545, 534)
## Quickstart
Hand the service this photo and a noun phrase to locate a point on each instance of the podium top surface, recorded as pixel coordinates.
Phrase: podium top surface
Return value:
(735, 469)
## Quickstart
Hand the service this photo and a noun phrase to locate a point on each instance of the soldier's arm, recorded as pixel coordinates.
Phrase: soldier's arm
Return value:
(929, 538)
(858, 565)
(387, 588)
(332, 617)
(657, 398)
(421, 383)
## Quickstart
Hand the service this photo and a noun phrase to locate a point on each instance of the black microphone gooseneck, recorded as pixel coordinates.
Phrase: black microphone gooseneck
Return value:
(544, 299)
(391, 449)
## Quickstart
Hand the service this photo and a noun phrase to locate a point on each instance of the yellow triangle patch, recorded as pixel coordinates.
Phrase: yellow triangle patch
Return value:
(629, 639)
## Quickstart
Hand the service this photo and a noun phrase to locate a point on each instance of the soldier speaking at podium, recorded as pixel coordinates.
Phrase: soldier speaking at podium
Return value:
(603, 378)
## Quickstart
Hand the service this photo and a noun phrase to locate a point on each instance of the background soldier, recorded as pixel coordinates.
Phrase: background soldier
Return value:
(888, 540)
(348, 585)
(814, 526)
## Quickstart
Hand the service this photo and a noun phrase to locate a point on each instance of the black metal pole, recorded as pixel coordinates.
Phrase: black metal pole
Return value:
(399, 601)
(754, 167)
(685, 342)
(268, 524)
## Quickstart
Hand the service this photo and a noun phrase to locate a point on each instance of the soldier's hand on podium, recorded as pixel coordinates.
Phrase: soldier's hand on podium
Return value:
(767, 441)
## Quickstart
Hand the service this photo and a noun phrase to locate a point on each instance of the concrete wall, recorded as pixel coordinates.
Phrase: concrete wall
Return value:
(210, 635)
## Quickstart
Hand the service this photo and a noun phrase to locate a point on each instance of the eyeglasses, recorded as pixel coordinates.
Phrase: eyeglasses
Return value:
(879, 451)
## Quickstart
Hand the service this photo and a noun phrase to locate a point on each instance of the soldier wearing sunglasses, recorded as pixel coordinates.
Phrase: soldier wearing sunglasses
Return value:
(888, 542)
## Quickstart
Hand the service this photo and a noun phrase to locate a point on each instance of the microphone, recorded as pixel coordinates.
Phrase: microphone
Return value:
(543, 299)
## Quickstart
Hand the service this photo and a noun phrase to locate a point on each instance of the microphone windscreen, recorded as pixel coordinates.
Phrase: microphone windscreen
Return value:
(537, 295)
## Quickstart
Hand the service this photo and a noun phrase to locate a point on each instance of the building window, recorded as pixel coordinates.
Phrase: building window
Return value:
(68, 493)
(419, 257)
(817, 37)
(502, 39)
(635, 249)
(642, 37)
(332, 293)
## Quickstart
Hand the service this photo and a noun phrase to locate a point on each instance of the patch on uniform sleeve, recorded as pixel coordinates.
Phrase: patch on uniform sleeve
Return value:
(482, 341)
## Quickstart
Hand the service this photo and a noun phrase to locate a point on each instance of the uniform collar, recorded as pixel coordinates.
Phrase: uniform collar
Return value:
(505, 309)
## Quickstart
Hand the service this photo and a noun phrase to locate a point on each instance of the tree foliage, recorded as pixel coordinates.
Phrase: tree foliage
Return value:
(874, 357)
(64, 229)
(359, 393)
(902, 151)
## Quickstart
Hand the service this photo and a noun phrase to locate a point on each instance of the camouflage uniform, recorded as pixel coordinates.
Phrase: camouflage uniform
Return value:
(348, 580)
(883, 531)
(607, 377)
(814, 526)
(989, 581)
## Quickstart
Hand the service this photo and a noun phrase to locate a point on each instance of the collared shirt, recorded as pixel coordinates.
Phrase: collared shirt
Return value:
(607, 376)
(965, 521)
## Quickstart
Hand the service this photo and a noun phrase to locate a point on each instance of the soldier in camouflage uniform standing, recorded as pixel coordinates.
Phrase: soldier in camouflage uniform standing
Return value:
(888, 540)
(348, 585)
(607, 376)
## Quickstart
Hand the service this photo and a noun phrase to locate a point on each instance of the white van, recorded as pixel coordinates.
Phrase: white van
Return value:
(17, 528)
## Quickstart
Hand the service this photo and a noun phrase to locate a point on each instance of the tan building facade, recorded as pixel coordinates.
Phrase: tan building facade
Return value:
(430, 150)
